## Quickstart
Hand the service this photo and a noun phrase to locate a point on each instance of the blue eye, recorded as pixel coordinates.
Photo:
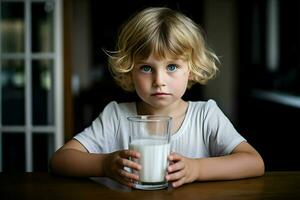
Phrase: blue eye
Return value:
(146, 68)
(172, 68)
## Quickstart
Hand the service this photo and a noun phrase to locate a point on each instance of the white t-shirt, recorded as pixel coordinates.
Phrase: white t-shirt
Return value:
(205, 131)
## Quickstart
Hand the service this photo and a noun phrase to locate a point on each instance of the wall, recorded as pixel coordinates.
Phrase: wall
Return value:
(220, 23)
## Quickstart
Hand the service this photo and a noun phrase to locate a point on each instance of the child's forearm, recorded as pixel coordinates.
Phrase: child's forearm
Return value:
(71, 162)
(233, 166)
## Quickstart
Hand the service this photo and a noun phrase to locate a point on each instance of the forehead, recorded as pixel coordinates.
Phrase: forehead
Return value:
(155, 61)
(160, 56)
(155, 57)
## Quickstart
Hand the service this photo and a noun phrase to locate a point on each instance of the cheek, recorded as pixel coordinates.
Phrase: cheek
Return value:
(139, 83)
(180, 83)
(183, 78)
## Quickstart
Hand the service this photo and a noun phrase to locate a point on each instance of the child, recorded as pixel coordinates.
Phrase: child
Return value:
(160, 53)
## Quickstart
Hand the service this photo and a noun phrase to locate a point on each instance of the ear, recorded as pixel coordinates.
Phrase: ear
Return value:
(191, 76)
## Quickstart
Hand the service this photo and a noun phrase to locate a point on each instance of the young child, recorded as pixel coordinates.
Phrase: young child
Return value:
(160, 53)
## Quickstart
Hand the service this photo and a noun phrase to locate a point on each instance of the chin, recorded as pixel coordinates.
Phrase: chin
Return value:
(160, 104)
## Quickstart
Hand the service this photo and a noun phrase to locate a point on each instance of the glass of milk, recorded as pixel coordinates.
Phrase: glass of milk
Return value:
(150, 135)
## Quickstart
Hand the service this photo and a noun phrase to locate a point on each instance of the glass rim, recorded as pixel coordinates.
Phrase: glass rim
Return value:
(149, 118)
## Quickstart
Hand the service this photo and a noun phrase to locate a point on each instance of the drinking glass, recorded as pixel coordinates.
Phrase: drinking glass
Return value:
(150, 136)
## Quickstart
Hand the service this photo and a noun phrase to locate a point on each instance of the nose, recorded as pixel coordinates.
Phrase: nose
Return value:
(159, 79)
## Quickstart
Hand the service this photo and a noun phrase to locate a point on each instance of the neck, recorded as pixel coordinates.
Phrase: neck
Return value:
(176, 110)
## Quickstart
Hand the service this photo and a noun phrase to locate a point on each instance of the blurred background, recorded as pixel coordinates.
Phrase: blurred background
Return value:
(55, 82)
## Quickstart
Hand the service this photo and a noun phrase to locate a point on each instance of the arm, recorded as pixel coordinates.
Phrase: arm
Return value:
(74, 160)
(243, 162)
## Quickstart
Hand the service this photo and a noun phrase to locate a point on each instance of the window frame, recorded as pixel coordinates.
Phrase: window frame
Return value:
(28, 128)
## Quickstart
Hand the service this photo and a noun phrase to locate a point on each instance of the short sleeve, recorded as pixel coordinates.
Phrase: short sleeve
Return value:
(221, 136)
(99, 137)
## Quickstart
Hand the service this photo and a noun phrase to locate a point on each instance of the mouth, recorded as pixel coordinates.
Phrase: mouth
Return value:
(160, 94)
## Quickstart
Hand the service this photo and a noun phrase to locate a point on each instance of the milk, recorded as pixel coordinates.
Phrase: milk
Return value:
(153, 159)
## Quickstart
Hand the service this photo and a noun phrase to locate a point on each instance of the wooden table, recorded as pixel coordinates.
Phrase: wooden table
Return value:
(274, 185)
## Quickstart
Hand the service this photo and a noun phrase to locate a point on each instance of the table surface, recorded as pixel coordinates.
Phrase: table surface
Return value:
(273, 185)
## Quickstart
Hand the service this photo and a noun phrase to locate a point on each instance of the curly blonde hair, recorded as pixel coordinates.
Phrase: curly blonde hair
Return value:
(165, 33)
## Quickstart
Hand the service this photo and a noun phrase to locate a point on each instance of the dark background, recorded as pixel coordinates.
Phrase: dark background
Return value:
(271, 127)
(253, 96)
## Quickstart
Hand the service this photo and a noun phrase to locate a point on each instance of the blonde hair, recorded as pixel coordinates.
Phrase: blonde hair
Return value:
(164, 33)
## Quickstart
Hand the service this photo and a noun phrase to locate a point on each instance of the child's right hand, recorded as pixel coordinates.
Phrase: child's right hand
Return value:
(116, 162)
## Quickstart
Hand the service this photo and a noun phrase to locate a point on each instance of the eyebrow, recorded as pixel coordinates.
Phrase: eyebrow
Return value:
(176, 61)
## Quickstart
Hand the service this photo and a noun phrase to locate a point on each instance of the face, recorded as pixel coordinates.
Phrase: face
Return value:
(160, 82)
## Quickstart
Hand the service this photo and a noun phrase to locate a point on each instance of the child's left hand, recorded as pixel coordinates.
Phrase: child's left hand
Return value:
(181, 170)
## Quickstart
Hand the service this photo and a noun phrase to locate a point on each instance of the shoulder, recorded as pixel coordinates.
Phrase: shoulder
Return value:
(113, 115)
(203, 106)
(113, 105)
(204, 109)
(118, 109)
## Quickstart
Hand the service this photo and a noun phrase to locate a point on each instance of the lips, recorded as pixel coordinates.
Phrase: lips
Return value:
(160, 94)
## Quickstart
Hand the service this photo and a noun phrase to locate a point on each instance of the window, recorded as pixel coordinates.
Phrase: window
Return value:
(271, 30)
(269, 101)
(31, 83)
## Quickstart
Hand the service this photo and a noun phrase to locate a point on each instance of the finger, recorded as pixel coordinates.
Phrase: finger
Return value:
(175, 176)
(178, 183)
(129, 153)
(178, 166)
(127, 175)
(129, 163)
(174, 157)
(125, 181)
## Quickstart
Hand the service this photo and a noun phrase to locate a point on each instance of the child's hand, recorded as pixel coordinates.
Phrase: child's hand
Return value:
(181, 170)
(117, 161)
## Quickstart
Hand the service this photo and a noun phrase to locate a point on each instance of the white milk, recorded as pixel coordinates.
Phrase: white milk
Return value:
(153, 159)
